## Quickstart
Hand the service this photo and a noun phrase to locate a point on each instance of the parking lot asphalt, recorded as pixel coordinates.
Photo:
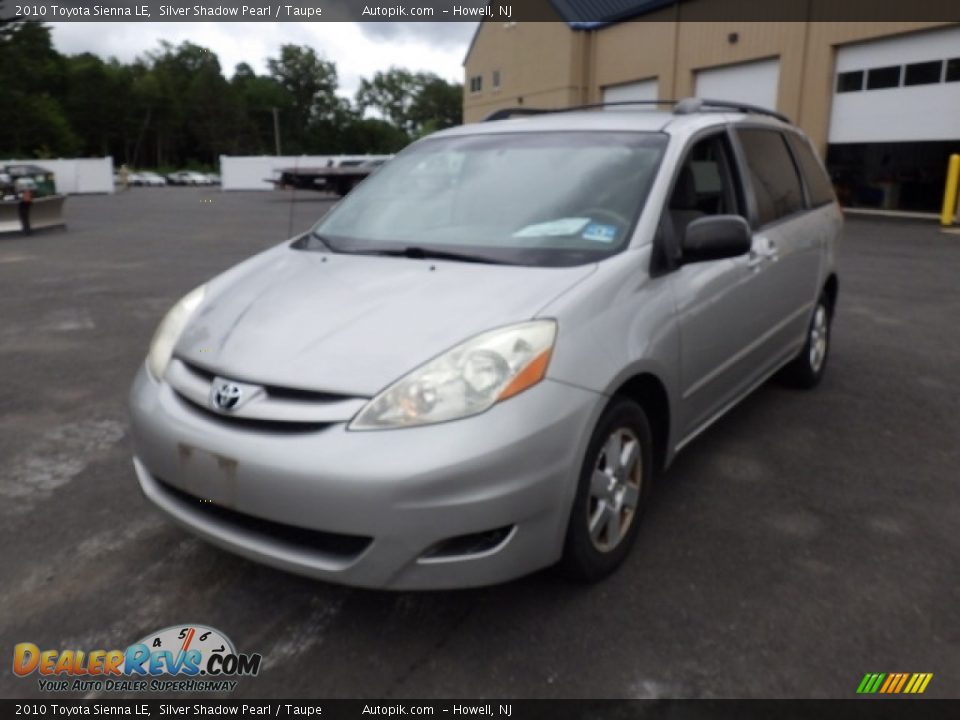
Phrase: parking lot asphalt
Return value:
(804, 540)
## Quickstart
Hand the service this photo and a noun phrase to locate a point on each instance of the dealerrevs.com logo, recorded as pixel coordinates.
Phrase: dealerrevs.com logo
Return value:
(180, 658)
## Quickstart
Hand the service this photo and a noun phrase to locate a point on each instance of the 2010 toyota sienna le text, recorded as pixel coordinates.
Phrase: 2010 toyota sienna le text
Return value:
(475, 365)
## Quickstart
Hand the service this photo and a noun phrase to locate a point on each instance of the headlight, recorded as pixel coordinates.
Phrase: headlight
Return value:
(167, 334)
(465, 380)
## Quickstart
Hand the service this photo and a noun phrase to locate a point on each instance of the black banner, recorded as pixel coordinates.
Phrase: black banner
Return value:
(586, 14)
(502, 709)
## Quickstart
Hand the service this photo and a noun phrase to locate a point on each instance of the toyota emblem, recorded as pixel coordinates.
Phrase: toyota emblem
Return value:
(226, 395)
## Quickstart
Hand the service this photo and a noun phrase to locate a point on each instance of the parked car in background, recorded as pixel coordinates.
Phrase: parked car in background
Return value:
(213, 179)
(187, 177)
(149, 179)
(477, 363)
(40, 180)
(7, 188)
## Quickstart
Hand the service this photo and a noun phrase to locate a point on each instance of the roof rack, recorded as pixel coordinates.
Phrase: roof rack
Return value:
(506, 113)
(687, 106)
(694, 105)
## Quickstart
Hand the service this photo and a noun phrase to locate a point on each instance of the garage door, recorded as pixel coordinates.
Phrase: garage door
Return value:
(643, 90)
(754, 83)
(898, 89)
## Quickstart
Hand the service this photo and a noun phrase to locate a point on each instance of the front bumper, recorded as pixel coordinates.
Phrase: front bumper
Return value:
(377, 501)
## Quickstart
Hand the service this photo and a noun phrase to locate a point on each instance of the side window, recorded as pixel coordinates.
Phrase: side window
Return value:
(773, 174)
(705, 184)
(818, 184)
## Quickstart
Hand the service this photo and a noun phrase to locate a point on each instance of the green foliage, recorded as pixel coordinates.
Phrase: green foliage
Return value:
(173, 107)
(410, 101)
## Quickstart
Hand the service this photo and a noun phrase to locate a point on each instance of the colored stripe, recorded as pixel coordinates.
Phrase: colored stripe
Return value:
(903, 681)
(886, 685)
(913, 681)
(876, 683)
(862, 687)
(926, 681)
(891, 686)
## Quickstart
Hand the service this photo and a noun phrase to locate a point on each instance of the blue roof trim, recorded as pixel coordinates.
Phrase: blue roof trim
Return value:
(593, 14)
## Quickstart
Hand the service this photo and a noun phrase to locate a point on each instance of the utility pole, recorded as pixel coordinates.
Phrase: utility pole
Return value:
(276, 129)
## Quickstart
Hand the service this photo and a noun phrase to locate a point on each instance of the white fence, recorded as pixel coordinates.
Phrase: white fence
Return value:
(254, 172)
(76, 176)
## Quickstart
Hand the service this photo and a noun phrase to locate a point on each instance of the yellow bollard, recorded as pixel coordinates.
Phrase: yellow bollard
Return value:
(950, 192)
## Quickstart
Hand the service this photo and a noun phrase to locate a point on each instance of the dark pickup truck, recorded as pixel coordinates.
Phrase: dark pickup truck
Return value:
(340, 179)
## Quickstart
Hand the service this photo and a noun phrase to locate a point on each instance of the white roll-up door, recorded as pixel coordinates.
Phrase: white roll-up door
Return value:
(642, 90)
(899, 89)
(754, 83)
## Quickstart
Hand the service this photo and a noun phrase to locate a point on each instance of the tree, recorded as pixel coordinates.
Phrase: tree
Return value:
(372, 135)
(173, 106)
(186, 99)
(32, 80)
(312, 85)
(437, 105)
(256, 97)
(413, 102)
(391, 94)
(90, 103)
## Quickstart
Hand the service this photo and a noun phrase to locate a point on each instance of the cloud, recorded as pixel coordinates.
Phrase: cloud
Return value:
(358, 49)
(439, 34)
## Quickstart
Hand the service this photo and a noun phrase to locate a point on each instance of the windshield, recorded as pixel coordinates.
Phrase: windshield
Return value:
(557, 198)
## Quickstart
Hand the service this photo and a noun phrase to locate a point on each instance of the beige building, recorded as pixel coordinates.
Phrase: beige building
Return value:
(880, 99)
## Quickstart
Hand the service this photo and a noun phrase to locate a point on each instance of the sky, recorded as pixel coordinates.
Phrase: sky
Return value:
(358, 49)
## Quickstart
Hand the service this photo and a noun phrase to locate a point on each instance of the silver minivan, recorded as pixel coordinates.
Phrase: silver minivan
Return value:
(478, 362)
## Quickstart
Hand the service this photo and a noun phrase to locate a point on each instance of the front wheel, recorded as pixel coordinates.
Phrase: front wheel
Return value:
(615, 482)
(806, 370)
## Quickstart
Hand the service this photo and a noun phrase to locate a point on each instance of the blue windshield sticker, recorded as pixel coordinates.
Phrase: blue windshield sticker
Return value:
(600, 233)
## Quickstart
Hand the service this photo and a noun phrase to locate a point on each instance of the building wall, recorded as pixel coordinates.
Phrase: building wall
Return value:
(632, 51)
(541, 64)
(549, 65)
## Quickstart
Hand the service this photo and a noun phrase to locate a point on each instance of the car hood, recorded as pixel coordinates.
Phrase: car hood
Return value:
(351, 324)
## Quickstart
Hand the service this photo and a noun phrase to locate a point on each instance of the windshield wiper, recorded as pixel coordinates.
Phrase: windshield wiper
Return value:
(418, 252)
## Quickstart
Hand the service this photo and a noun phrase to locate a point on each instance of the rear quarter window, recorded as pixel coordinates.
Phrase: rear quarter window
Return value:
(818, 183)
(773, 174)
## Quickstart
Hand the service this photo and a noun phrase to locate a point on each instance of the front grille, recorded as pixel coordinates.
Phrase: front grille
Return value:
(256, 424)
(273, 391)
(336, 544)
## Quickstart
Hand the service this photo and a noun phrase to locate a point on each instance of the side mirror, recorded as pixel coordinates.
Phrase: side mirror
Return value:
(716, 237)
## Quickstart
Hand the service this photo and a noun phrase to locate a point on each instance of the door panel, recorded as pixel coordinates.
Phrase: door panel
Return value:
(787, 243)
(721, 304)
(717, 311)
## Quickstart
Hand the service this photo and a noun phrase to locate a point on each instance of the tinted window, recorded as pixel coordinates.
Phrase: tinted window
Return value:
(925, 73)
(705, 184)
(818, 184)
(885, 77)
(850, 81)
(773, 175)
(953, 70)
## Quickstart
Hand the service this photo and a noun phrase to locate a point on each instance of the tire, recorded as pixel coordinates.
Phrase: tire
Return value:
(806, 370)
(590, 556)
